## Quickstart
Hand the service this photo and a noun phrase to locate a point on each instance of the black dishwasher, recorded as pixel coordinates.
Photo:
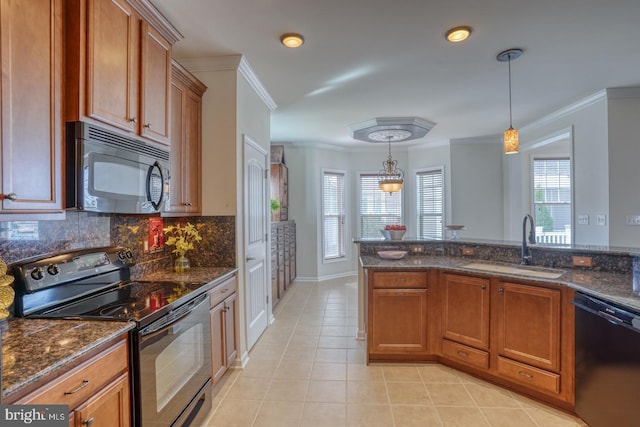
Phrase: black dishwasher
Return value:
(607, 363)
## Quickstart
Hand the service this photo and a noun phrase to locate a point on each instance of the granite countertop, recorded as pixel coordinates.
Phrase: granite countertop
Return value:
(34, 348)
(618, 288)
(193, 275)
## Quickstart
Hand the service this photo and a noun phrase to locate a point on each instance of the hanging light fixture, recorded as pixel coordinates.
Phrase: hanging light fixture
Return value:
(510, 139)
(390, 177)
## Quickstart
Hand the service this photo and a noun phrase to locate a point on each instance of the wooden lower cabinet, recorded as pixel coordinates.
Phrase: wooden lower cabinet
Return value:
(96, 391)
(516, 334)
(223, 327)
(398, 318)
(283, 258)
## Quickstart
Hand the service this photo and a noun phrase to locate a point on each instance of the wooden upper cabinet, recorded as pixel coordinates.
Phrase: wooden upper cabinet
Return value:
(186, 142)
(117, 69)
(154, 85)
(31, 95)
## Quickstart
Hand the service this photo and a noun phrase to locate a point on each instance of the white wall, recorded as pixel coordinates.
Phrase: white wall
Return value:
(588, 122)
(476, 188)
(624, 165)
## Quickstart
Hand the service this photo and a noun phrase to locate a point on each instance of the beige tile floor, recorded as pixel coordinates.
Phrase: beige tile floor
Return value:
(308, 370)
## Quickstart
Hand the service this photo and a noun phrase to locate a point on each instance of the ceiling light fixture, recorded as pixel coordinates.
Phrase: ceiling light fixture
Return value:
(458, 34)
(292, 40)
(390, 177)
(510, 139)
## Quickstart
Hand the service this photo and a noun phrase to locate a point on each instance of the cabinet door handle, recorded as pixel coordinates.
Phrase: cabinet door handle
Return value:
(462, 353)
(500, 291)
(133, 120)
(147, 125)
(483, 287)
(88, 422)
(524, 374)
(77, 389)
(10, 196)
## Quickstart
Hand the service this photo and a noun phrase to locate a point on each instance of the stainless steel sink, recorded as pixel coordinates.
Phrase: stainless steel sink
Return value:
(547, 273)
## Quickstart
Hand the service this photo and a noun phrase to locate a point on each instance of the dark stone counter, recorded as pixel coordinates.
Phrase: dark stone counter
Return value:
(35, 348)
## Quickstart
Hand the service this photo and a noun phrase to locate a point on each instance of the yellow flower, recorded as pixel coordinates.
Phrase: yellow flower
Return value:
(182, 237)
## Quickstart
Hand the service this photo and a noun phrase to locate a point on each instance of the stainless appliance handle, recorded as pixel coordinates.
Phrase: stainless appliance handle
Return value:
(150, 171)
(172, 317)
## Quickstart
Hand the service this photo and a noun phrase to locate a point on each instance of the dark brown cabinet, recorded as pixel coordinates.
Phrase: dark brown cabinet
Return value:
(280, 191)
(283, 258)
(31, 98)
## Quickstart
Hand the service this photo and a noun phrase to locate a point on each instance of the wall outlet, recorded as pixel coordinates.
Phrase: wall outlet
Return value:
(417, 249)
(583, 219)
(601, 219)
(582, 261)
(633, 220)
(467, 251)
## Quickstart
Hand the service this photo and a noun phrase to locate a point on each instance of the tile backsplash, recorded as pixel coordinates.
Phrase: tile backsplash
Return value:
(23, 239)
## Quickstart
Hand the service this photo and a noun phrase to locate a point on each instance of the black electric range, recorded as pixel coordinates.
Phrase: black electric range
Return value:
(172, 323)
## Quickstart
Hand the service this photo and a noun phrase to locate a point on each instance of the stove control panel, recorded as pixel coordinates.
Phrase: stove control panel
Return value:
(45, 272)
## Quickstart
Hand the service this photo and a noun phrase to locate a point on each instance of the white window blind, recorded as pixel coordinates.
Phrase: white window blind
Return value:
(552, 199)
(377, 208)
(333, 201)
(430, 204)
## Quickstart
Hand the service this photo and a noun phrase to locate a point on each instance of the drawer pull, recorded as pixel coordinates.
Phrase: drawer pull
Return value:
(88, 422)
(524, 374)
(80, 387)
(483, 287)
(224, 291)
(463, 353)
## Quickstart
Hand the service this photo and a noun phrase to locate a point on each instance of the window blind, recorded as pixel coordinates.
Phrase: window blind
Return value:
(333, 201)
(377, 208)
(552, 199)
(430, 204)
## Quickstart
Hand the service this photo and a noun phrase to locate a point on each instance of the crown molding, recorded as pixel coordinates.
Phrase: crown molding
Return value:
(153, 16)
(231, 63)
(601, 95)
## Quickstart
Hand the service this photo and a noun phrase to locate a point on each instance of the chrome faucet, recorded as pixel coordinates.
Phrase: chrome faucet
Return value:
(526, 252)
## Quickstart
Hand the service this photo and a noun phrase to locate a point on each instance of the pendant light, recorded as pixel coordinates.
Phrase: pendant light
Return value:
(390, 177)
(510, 139)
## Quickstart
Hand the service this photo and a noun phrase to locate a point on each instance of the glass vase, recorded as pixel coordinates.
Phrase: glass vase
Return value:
(181, 264)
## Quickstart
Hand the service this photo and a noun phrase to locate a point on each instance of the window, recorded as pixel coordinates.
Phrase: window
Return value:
(430, 204)
(552, 199)
(377, 208)
(333, 200)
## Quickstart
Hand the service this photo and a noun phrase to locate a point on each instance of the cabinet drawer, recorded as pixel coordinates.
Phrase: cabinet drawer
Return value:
(534, 377)
(77, 385)
(222, 291)
(404, 280)
(465, 354)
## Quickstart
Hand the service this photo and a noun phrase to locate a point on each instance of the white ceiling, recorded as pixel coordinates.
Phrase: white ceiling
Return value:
(364, 59)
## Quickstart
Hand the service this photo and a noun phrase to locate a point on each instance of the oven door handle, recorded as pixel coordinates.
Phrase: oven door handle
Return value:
(172, 318)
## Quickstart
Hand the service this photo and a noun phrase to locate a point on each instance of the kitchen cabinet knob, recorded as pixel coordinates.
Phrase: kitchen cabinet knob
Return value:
(187, 203)
(88, 422)
(483, 287)
(147, 125)
(133, 120)
(500, 291)
(10, 196)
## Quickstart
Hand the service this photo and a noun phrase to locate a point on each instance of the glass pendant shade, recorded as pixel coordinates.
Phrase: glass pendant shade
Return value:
(511, 144)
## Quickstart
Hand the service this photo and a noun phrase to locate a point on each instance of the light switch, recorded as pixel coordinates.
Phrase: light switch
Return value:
(601, 219)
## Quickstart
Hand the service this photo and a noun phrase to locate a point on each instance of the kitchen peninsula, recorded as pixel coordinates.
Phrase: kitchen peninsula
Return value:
(471, 305)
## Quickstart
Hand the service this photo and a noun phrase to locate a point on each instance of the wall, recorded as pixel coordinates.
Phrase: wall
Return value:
(587, 119)
(476, 187)
(624, 165)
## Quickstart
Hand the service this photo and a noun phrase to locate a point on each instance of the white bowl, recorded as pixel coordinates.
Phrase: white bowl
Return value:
(393, 234)
(392, 254)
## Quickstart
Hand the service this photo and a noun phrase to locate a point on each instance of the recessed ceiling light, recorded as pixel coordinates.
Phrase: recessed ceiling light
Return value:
(292, 40)
(458, 34)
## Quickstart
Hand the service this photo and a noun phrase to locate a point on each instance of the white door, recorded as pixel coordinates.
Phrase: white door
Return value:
(255, 240)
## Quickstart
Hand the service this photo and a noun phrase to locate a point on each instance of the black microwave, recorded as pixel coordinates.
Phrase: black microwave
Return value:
(114, 173)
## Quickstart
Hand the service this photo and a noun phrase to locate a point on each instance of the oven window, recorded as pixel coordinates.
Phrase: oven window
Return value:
(178, 363)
